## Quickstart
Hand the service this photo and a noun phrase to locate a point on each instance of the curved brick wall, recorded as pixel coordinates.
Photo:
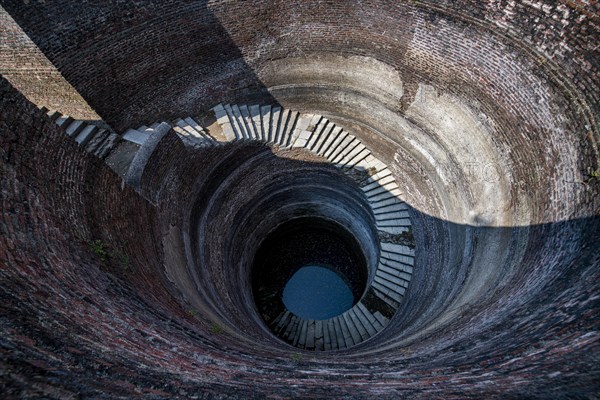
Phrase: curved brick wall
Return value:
(486, 113)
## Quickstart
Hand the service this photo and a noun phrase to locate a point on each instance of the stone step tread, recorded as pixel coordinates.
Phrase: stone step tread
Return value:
(135, 136)
(346, 145)
(394, 207)
(350, 152)
(54, 115)
(98, 138)
(392, 278)
(381, 318)
(86, 134)
(401, 221)
(256, 120)
(238, 119)
(316, 131)
(402, 274)
(397, 249)
(107, 145)
(352, 329)
(345, 332)
(357, 158)
(63, 121)
(319, 335)
(394, 230)
(275, 117)
(383, 173)
(292, 328)
(335, 145)
(358, 324)
(246, 121)
(371, 317)
(254, 129)
(302, 124)
(391, 200)
(303, 332)
(367, 325)
(325, 138)
(394, 291)
(383, 293)
(393, 214)
(378, 183)
(288, 131)
(328, 143)
(372, 163)
(265, 118)
(387, 193)
(283, 120)
(224, 121)
(394, 263)
(338, 339)
(75, 127)
(233, 121)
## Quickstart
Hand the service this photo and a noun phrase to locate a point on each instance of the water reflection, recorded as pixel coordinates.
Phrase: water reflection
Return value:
(315, 292)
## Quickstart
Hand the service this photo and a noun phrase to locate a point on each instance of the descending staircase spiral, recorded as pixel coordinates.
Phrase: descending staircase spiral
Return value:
(273, 125)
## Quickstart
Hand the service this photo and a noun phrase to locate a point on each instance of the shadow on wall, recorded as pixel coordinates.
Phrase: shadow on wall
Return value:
(136, 63)
(74, 325)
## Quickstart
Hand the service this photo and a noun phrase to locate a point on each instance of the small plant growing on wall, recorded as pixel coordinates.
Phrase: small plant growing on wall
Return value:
(216, 328)
(296, 358)
(100, 249)
(104, 253)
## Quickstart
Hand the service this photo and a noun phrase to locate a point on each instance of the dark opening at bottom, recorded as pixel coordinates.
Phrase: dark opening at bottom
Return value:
(309, 266)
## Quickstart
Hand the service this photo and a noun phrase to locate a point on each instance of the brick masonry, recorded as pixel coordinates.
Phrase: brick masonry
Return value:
(74, 325)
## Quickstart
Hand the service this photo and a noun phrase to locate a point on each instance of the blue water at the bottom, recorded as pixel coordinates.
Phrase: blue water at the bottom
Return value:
(317, 293)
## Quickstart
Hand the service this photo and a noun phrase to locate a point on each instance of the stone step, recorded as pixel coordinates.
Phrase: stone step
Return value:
(395, 271)
(397, 249)
(396, 206)
(224, 121)
(248, 123)
(302, 124)
(64, 121)
(310, 335)
(344, 331)
(255, 121)
(382, 293)
(352, 330)
(275, 118)
(395, 291)
(240, 123)
(317, 124)
(265, 122)
(54, 115)
(345, 146)
(135, 136)
(394, 278)
(335, 144)
(377, 325)
(334, 136)
(337, 339)
(288, 136)
(86, 134)
(378, 183)
(326, 138)
(358, 324)
(401, 266)
(319, 336)
(291, 329)
(75, 128)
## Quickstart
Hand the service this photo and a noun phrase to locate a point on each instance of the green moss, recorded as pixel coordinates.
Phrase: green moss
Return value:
(100, 249)
(216, 328)
(105, 253)
(296, 357)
